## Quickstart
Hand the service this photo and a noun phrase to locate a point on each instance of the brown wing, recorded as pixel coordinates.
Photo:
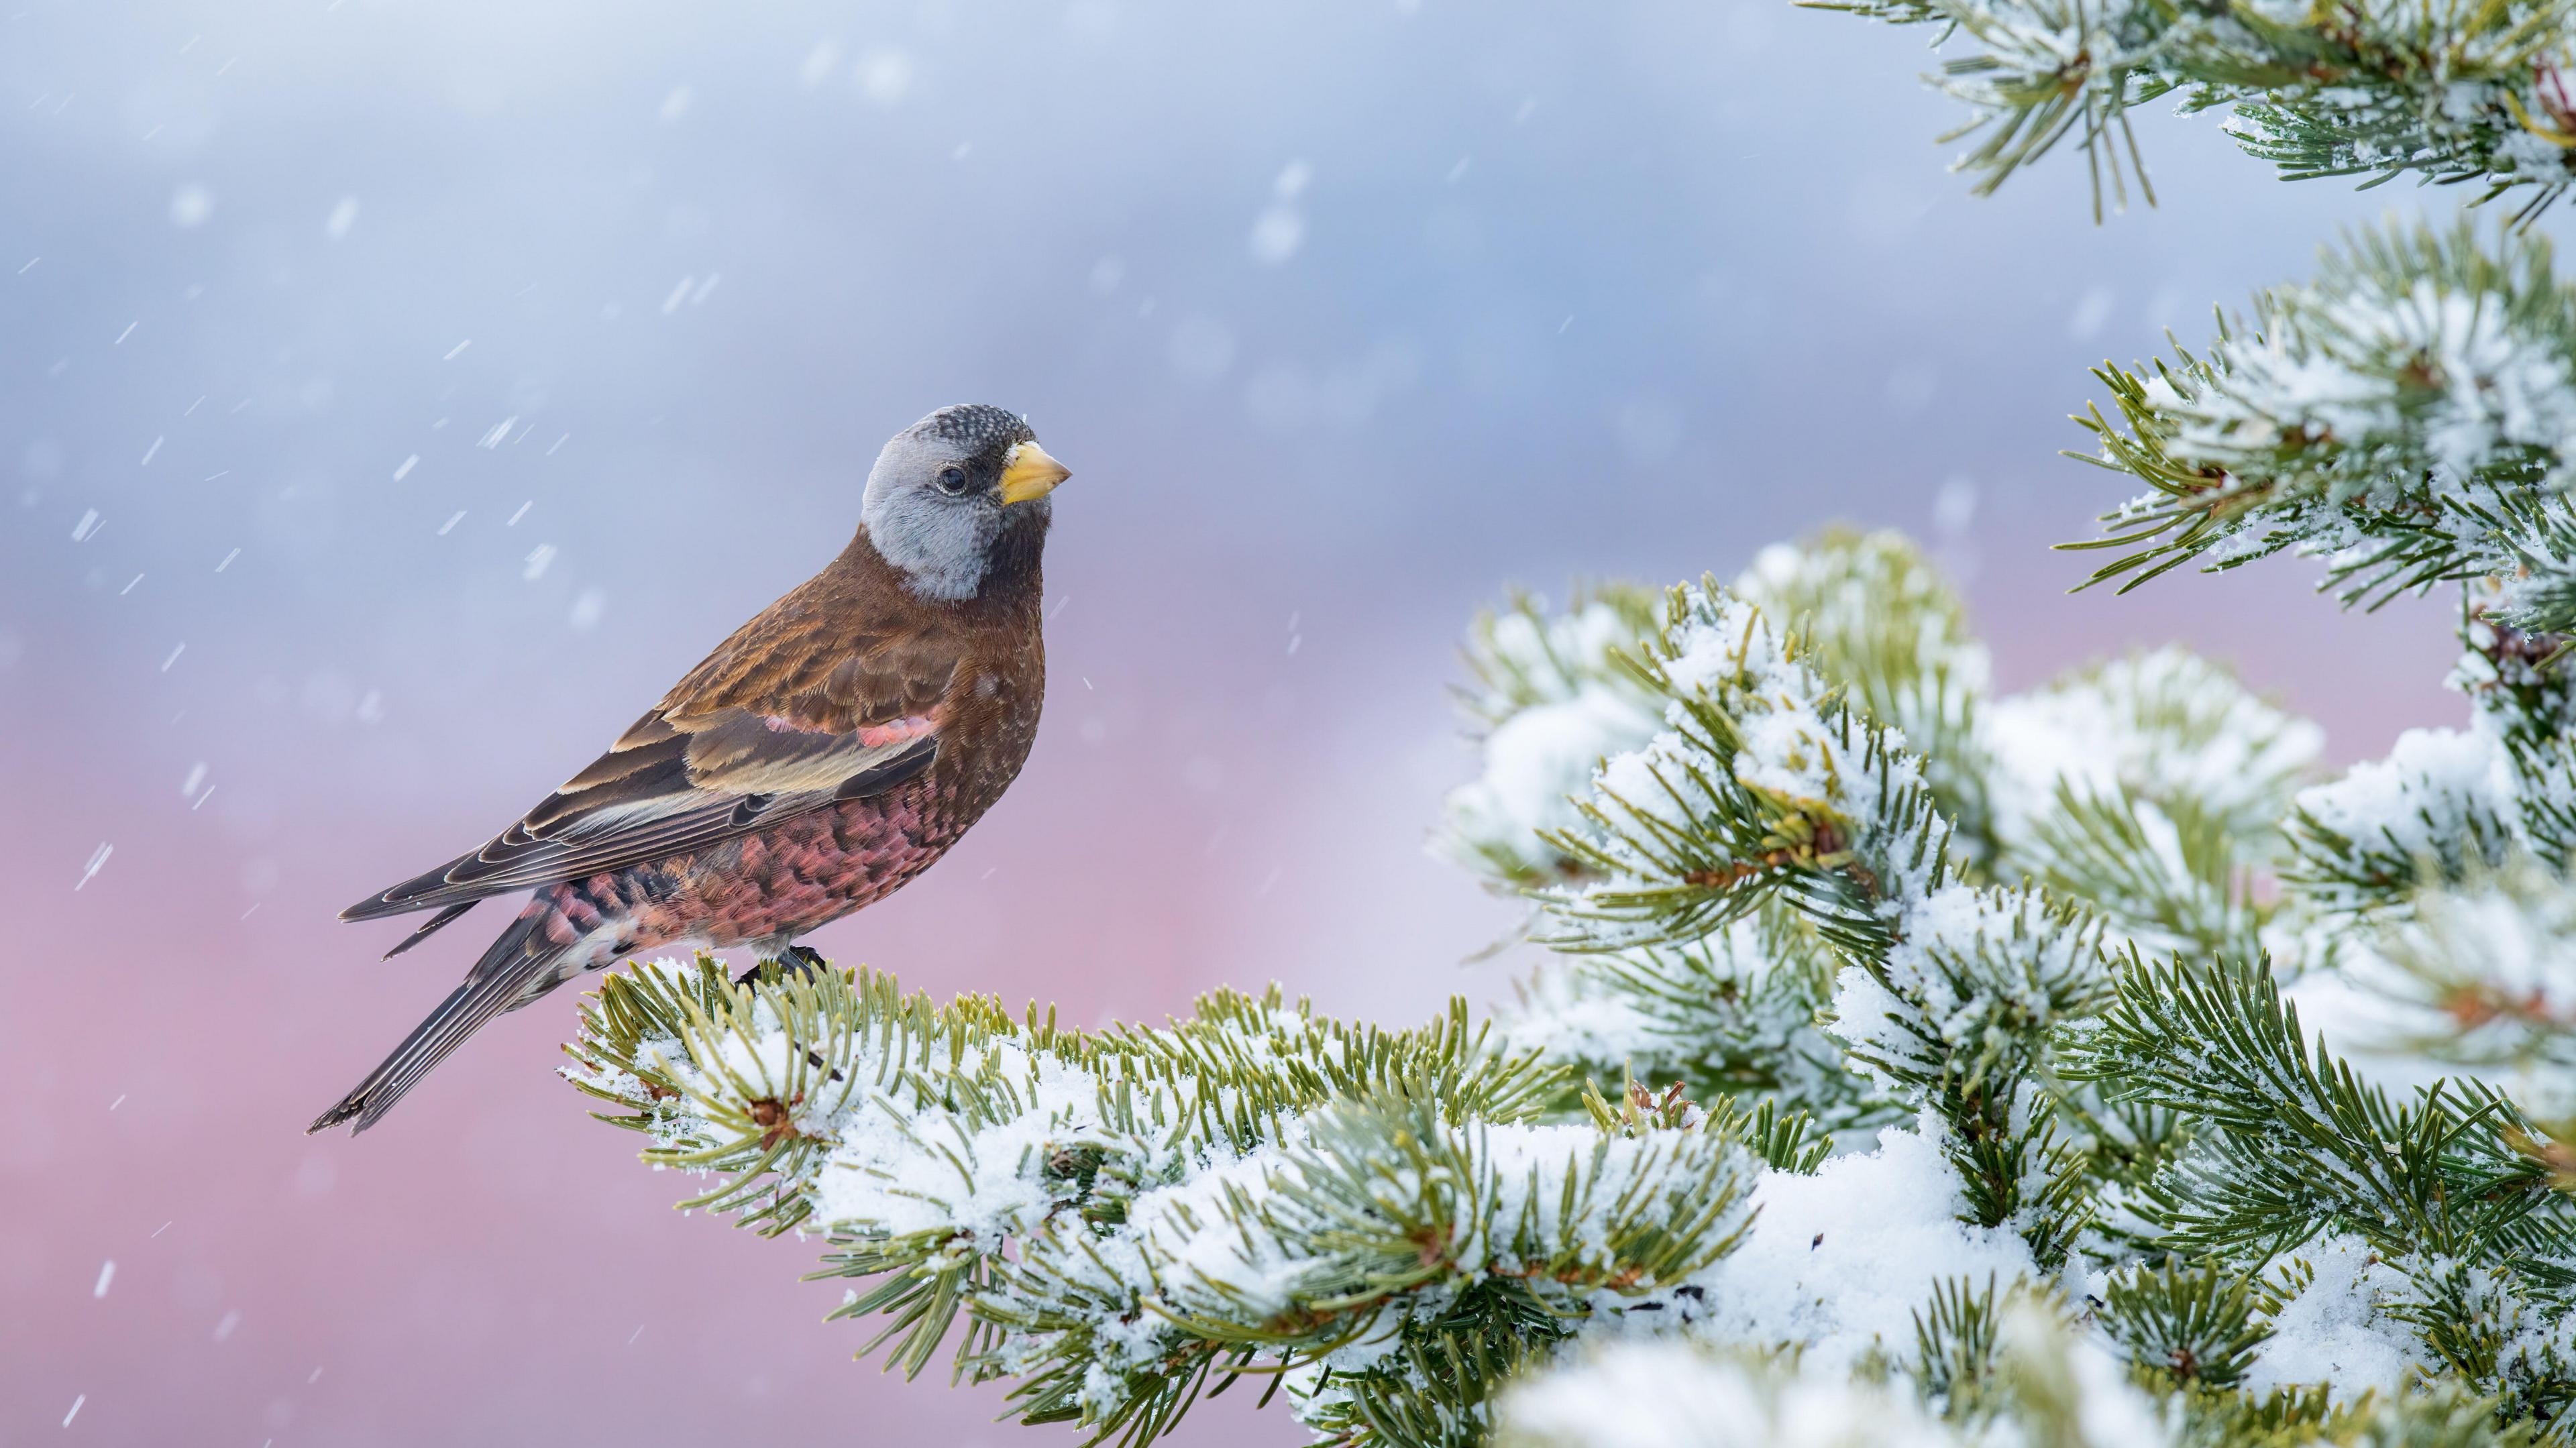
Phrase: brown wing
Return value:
(799, 709)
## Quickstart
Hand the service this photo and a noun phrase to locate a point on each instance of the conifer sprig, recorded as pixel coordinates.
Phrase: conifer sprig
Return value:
(1113, 1219)
(2409, 416)
(1772, 789)
(1765, 783)
(2294, 1145)
(2298, 1144)
(2489, 970)
(2449, 92)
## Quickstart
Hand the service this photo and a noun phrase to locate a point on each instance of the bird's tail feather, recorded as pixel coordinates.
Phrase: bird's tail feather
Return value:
(432, 926)
(499, 982)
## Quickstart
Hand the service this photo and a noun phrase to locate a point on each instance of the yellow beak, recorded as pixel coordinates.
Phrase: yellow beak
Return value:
(1027, 472)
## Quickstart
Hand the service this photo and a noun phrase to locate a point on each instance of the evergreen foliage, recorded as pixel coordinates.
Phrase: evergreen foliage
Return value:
(2441, 90)
(1913, 1062)
(2409, 416)
(1111, 1219)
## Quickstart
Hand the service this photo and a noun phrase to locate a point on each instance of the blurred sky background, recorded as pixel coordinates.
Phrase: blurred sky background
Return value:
(396, 397)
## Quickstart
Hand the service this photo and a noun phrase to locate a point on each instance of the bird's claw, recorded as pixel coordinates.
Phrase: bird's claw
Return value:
(802, 960)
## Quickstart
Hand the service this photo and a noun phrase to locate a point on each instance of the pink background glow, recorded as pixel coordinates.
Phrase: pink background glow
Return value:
(1576, 293)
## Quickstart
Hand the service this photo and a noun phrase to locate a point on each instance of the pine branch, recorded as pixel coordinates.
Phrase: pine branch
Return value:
(1990, 1367)
(2164, 727)
(1770, 789)
(2428, 814)
(1730, 1011)
(2379, 88)
(1113, 1220)
(1765, 784)
(1379, 1231)
(2295, 1144)
(1732, 1014)
(2487, 971)
(2028, 1378)
(2196, 1327)
(2436, 1415)
(2408, 416)
(1674, 1394)
(1876, 617)
(2448, 806)
(1545, 702)
(2169, 876)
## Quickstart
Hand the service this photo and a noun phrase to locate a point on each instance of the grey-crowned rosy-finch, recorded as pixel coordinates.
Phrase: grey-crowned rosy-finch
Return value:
(830, 750)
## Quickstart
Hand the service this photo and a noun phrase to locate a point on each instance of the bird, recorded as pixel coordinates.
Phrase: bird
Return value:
(829, 751)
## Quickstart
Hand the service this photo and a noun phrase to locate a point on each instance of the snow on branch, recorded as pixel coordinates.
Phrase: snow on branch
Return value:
(2376, 88)
(2450, 805)
(1732, 1014)
(1117, 1216)
(2487, 973)
(1764, 782)
(1770, 789)
(2151, 787)
(1546, 701)
(1877, 618)
(2409, 416)
(2293, 1149)
(2038, 1380)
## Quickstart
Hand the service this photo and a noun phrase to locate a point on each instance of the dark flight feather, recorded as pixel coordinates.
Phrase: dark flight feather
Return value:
(431, 927)
(500, 981)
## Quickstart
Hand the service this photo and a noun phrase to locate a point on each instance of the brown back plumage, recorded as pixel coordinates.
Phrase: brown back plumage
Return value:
(840, 689)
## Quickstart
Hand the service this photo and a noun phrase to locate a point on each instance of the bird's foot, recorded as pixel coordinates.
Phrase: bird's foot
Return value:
(802, 960)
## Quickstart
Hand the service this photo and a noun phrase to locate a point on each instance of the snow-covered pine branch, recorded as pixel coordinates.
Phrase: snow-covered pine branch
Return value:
(2011, 1369)
(2409, 417)
(2039, 1380)
(1545, 699)
(2484, 977)
(2146, 797)
(2468, 1239)
(2375, 88)
(1765, 901)
(1769, 787)
(1108, 1219)
(2446, 805)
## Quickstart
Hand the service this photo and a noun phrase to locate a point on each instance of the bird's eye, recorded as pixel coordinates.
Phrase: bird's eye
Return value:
(952, 480)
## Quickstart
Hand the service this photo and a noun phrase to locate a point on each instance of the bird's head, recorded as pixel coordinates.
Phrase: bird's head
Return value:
(960, 496)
